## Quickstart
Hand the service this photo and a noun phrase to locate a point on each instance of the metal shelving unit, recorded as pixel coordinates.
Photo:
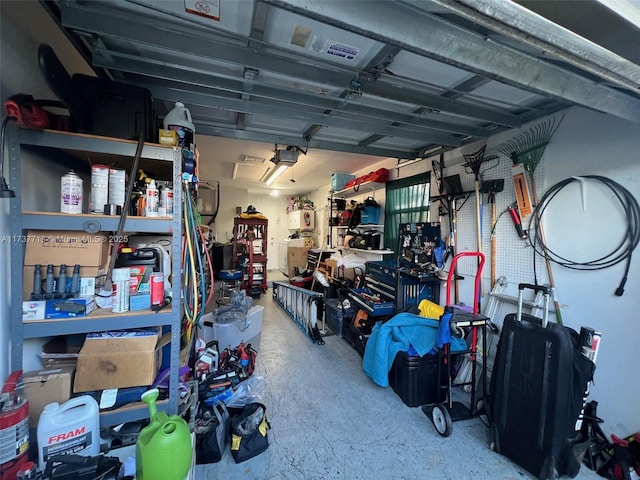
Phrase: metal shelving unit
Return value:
(254, 274)
(167, 158)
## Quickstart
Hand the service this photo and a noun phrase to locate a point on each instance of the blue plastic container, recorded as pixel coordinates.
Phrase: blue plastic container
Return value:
(339, 180)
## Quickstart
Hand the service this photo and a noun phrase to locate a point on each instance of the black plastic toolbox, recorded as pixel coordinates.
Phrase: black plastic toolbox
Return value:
(415, 379)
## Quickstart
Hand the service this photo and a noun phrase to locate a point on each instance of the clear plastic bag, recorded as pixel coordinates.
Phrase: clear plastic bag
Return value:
(239, 318)
(249, 391)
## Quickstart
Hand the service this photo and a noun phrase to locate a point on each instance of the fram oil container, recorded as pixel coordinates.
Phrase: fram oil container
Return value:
(70, 428)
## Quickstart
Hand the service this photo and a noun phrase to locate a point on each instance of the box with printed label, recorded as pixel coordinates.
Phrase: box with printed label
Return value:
(69, 308)
(119, 359)
(43, 247)
(33, 310)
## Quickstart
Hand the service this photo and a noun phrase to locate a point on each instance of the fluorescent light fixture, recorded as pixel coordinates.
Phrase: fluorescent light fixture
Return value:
(275, 173)
(282, 159)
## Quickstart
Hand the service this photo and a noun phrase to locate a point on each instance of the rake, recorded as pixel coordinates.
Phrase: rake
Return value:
(473, 163)
(526, 150)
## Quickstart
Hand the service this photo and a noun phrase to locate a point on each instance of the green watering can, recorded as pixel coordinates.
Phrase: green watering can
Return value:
(163, 449)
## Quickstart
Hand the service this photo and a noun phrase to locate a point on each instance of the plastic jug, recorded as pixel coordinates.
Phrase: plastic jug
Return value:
(73, 427)
(179, 120)
(163, 449)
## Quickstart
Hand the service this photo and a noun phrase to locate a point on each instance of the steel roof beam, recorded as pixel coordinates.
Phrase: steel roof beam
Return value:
(109, 24)
(424, 34)
(207, 128)
(238, 105)
(212, 85)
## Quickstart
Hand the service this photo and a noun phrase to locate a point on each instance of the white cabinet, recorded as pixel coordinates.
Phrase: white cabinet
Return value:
(303, 220)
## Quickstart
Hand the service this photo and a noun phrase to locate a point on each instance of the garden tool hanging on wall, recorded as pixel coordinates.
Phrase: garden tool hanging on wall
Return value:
(491, 187)
(525, 151)
(473, 164)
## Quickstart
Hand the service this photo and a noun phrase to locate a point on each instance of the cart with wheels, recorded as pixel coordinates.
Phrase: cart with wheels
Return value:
(455, 320)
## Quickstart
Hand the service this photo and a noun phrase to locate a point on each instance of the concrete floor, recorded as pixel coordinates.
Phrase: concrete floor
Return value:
(330, 421)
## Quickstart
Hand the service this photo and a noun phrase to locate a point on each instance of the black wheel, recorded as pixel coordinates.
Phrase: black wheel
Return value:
(442, 420)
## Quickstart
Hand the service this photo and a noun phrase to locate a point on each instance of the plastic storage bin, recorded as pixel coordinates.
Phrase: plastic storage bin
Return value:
(229, 335)
(336, 316)
(415, 379)
(339, 180)
(370, 215)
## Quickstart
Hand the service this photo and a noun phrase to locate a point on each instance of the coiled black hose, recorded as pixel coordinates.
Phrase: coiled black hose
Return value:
(619, 253)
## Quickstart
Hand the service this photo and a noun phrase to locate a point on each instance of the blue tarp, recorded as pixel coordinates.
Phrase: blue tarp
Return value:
(397, 335)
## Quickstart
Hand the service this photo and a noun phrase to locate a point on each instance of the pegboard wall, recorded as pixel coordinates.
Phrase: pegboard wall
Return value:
(514, 256)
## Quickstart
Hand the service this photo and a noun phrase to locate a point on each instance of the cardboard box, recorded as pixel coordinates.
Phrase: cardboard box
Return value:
(46, 309)
(339, 272)
(33, 310)
(42, 387)
(296, 257)
(61, 351)
(69, 308)
(43, 247)
(68, 247)
(119, 360)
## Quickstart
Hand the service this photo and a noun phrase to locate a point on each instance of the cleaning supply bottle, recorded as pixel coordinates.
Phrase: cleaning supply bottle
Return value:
(179, 120)
(163, 449)
(153, 201)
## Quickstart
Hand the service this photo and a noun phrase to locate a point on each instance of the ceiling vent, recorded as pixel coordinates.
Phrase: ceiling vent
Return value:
(251, 160)
(249, 171)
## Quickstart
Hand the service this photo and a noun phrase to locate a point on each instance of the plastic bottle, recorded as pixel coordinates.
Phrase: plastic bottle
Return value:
(153, 201)
(120, 281)
(179, 120)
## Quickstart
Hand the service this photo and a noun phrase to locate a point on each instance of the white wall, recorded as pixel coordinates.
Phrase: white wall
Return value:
(588, 143)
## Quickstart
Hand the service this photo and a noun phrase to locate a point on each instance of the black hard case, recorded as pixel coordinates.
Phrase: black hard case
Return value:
(538, 384)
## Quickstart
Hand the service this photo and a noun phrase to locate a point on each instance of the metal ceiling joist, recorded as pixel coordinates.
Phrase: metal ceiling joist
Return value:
(363, 116)
(193, 96)
(205, 128)
(109, 24)
(378, 63)
(514, 21)
(426, 35)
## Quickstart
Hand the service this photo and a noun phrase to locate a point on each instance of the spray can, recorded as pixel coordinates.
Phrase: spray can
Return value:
(179, 120)
(120, 280)
(166, 200)
(152, 199)
(71, 193)
(99, 189)
(156, 288)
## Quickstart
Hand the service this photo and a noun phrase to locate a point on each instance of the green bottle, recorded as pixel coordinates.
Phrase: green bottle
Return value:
(163, 449)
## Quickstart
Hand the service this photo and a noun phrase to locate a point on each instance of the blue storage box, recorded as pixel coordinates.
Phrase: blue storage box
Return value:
(370, 215)
(339, 180)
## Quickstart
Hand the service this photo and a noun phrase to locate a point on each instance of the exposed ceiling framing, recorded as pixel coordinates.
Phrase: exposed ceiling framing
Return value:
(385, 78)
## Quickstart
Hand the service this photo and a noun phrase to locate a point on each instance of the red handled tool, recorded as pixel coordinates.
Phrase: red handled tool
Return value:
(515, 217)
